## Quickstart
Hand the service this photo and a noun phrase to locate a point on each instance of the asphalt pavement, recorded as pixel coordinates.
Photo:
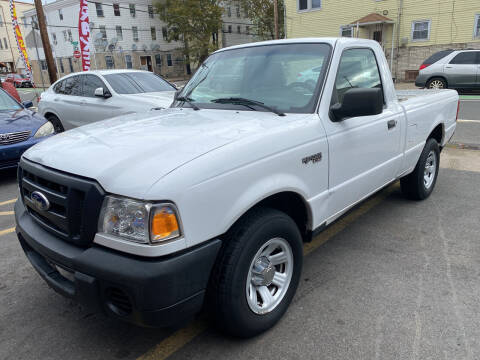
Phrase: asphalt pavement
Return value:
(394, 279)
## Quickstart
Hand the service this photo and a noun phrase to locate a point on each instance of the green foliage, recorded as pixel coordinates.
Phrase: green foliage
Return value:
(261, 14)
(195, 22)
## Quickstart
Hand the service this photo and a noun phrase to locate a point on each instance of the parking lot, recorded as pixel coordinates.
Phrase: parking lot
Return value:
(393, 279)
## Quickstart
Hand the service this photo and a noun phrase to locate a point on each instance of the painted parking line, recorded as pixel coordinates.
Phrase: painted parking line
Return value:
(182, 337)
(5, 213)
(7, 231)
(8, 202)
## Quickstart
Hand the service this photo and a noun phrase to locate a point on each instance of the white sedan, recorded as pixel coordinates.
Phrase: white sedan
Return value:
(82, 98)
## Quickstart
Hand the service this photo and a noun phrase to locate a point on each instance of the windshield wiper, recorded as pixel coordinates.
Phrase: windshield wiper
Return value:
(188, 100)
(246, 102)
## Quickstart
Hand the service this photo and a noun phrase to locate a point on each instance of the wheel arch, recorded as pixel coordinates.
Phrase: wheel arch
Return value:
(438, 133)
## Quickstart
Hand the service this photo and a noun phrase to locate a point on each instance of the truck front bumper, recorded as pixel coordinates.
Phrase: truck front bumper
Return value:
(147, 292)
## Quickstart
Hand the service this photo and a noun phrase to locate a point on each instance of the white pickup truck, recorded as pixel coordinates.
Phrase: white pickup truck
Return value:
(149, 217)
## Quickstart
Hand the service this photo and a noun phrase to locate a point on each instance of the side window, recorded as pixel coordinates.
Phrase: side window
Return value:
(73, 86)
(465, 58)
(59, 87)
(90, 83)
(358, 69)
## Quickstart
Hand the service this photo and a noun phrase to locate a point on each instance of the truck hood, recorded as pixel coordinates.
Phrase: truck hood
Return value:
(128, 154)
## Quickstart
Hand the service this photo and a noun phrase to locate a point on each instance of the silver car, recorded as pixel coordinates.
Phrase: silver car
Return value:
(454, 69)
(82, 98)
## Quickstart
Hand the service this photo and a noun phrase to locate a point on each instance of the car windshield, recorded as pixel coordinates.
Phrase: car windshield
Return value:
(279, 76)
(137, 82)
(7, 103)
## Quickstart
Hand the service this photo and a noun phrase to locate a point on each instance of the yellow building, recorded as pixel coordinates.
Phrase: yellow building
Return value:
(10, 60)
(410, 30)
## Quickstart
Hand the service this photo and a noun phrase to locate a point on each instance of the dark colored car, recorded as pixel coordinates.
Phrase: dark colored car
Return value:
(19, 80)
(20, 128)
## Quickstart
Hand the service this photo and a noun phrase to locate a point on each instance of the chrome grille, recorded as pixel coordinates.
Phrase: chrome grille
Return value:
(15, 137)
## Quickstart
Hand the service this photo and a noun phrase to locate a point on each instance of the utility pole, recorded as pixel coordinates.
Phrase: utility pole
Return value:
(47, 49)
(275, 16)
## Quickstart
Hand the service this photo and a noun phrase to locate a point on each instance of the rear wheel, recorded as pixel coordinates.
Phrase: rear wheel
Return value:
(257, 273)
(57, 125)
(420, 183)
(436, 83)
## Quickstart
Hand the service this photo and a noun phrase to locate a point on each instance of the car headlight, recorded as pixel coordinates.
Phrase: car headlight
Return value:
(139, 221)
(44, 130)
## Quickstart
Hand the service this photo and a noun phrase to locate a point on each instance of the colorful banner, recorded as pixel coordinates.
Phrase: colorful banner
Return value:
(20, 43)
(84, 34)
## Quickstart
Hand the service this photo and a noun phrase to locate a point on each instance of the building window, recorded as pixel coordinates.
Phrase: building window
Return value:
(150, 11)
(132, 10)
(116, 9)
(135, 33)
(238, 10)
(60, 14)
(70, 64)
(43, 65)
(230, 28)
(169, 60)
(69, 35)
(158, 60)
(346, 31)
(24, 20)
(109, 63)
(54, 36)
(103, 31)
(247, 30)
(1, 20)
(5, 44)
(420, 30)
(62, 69)
(229, 11)
(305, 5)
(119, 31)
(477, 25)
(99, 9)
(153, 32)
(164, 33)
(65, 38)
(128, 61)
(239, 29)
(1, 45)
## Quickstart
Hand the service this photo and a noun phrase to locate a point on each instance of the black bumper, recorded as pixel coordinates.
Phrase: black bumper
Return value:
(144, 291)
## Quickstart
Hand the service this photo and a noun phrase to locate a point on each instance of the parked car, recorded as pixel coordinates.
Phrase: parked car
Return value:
(20, 128)
(82, 98)
(453, 69)
(18, 80)
(3, 78)
(149, 216)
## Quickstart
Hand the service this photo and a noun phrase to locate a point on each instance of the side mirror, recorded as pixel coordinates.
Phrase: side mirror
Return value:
(358, 102)
(27, 104)
(100, 92)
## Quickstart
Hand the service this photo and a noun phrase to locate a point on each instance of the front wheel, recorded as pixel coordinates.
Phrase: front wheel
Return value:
(420, 183)
(257, 273)
(57, 125)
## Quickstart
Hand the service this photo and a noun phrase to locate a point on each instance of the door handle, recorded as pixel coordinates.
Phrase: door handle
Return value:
(83, 102)
(448, 67)
(391, 124)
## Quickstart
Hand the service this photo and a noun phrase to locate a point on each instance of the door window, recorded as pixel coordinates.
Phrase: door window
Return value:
(59, 87)
(358, 69)
(90, 83)
(465, 58)
(73, 86)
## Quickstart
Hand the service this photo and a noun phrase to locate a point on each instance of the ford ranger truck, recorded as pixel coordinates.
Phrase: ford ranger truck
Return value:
(150, 217)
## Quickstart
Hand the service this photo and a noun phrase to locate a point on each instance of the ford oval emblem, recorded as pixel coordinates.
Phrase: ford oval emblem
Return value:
(40, 201)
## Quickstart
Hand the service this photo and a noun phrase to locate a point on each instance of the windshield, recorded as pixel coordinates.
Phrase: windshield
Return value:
(285, 77)
(7, 103)
(137, 82)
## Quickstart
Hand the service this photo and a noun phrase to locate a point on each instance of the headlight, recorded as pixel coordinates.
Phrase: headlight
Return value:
(138, 221)
(44, 130)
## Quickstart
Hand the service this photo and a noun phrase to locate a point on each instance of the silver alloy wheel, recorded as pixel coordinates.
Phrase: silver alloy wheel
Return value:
(269, 275)
(430, 169)
(436, 84)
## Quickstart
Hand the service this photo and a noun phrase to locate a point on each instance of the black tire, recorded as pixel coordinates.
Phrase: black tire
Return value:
(227, 298)
(413, 185)
(436, 83)
(57, 124)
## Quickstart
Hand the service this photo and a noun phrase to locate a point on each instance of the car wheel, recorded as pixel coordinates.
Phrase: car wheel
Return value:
(420, 183)
(57, 124)
(257, 273)
(436, 83)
